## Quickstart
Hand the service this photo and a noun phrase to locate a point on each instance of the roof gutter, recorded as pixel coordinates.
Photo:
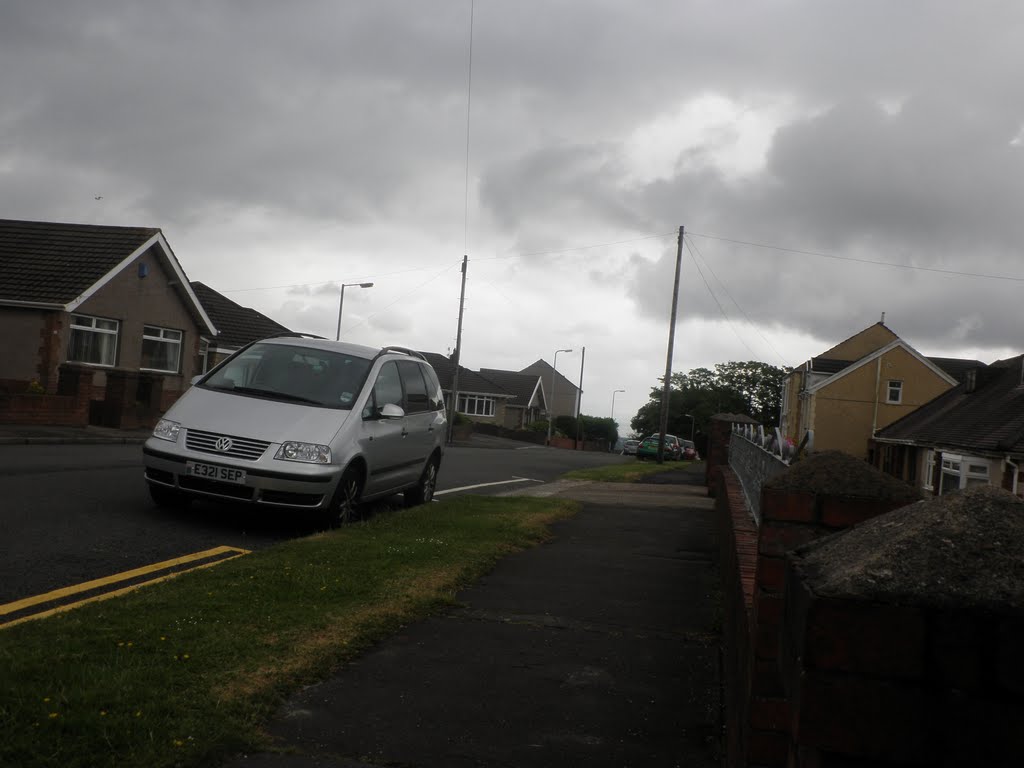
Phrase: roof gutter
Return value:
(33, 304)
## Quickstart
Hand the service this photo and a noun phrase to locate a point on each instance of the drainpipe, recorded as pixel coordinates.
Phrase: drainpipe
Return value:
(878, 382)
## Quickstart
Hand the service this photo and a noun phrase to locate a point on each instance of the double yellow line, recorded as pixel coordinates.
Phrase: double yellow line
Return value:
(168, 569)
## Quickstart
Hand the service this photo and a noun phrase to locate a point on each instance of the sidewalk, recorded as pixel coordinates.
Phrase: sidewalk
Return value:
(30, 434)
(598, 648)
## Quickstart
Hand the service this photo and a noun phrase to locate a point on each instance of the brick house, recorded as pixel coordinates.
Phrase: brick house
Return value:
(861, 385)
(236, 326)
(507, 399)
(970, 435)
(100, 324)
(527, 404)
(566, 398)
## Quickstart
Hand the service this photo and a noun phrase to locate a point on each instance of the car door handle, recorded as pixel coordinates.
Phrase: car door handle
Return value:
(405, 432)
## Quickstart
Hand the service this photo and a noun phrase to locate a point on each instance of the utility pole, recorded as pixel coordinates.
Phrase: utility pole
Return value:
(668, 360)
(579, 402)
(457, 355)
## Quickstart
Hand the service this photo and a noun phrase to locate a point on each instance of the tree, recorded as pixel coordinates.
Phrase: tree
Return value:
(594, 428)
(751, 388)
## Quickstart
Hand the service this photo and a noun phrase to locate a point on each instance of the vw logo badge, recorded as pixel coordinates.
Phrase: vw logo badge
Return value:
(223, 444)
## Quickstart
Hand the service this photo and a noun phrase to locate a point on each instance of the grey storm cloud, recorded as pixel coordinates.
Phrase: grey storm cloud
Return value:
(894, 134)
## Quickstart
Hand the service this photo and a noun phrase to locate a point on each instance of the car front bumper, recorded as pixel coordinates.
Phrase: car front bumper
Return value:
(306, 486)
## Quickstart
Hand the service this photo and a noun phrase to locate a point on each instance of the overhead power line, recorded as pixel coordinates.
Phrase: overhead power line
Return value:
(692, 246)
(954, 272)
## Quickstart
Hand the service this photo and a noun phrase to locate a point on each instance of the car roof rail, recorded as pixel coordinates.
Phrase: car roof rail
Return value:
(294, 335)
(401, 350)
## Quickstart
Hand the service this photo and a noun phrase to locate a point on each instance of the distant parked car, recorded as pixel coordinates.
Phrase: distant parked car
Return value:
(648, 448)
(629, 447)
(690, 451)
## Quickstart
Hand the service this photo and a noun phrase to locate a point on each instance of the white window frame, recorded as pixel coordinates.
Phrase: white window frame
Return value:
(482, 405)
(162, 338)
(897, 386)
(963, 471)
(929, 470)
(87, 324)
(204, 355)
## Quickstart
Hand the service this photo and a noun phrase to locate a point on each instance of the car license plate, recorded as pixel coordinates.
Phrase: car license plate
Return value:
(215, 472)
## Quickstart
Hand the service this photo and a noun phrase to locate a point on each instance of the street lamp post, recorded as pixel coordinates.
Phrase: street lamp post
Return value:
(341, 302)
(612, 417)
(688, 416)
(613, 402)
(551, 405)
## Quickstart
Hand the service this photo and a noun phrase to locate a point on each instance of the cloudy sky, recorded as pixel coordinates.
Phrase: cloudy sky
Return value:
(830, 161)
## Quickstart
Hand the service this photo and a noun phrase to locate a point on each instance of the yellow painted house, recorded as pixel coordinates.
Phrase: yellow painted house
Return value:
(852, 390)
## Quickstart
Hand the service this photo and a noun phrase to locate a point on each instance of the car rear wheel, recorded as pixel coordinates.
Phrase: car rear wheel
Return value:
(423, 492)
(344, 505)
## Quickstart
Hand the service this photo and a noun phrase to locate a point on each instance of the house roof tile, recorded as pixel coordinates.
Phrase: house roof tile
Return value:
(987, 419)
(53, 263)
(522, 385)
(236, 325)
(469, 381)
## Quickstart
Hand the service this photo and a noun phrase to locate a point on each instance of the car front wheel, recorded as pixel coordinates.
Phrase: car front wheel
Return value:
(423, 492)
(344, 505)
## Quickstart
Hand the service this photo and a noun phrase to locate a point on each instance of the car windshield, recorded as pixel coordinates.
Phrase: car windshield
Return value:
(293, 374)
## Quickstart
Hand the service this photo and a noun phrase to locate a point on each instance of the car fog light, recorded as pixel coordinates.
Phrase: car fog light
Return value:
(311, 453)
(167, 430)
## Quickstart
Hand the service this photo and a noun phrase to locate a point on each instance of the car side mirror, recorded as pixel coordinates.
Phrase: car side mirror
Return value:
(391, 411)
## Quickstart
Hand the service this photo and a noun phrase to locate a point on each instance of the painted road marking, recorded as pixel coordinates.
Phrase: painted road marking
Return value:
(487, 485)
(194, 562)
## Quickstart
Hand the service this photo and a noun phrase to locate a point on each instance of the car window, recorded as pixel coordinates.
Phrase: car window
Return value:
(387, 388)
(294, 374)
(416, 399)
(433, 388)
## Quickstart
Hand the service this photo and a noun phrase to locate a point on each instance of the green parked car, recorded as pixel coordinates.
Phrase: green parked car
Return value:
(648, 448)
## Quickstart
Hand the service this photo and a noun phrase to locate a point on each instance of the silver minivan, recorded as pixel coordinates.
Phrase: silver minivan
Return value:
(303, 423)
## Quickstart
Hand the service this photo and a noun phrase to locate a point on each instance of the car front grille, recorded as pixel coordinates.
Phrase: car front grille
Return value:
(225, 445)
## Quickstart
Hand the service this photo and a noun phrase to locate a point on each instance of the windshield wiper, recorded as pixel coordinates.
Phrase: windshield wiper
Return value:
(270, 393)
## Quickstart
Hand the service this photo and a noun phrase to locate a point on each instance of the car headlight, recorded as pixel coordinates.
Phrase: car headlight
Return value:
(311, 453)
(167, 430)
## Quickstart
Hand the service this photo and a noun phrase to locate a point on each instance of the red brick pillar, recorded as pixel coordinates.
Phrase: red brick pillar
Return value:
(719, 434)
(119, 407)
(821, 494)
(897, 648)
(76, 381)
(49, 352)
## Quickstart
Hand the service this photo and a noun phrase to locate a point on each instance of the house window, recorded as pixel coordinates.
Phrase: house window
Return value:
(962, 472)
(929, 470)
(93, 340)
(476, 405)
(895, 392)
(161, 349)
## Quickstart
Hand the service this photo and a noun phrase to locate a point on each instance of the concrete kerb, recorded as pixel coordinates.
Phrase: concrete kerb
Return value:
(53, 436)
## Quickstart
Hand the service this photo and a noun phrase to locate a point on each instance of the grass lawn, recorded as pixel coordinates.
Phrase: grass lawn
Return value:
(184, 672)
(630, 472)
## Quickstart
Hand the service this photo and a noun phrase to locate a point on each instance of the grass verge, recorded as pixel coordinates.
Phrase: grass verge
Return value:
(183, 673)
(630, 472)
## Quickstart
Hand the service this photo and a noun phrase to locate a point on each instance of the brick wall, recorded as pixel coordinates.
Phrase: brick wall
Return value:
(68, 407)
(737, 541)
(817, 496)
(929, 677)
